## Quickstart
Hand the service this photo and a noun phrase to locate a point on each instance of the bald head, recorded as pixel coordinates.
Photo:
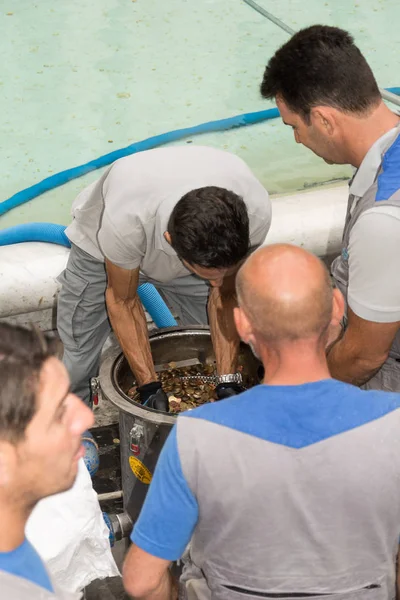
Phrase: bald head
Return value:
(286, 293)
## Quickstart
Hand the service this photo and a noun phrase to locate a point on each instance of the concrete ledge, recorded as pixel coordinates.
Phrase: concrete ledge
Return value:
(28, 271)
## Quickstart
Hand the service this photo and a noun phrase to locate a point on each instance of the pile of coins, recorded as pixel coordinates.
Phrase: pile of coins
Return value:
(184, 395)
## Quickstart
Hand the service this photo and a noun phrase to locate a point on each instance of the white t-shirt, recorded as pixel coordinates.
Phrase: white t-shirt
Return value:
(123, 215)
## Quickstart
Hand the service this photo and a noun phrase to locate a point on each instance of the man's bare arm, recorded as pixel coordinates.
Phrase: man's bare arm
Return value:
(362, 349)
(147, 577)
(129, 321)
(221, 302)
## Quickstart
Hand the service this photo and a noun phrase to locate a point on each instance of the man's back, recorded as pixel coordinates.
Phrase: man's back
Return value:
(124, 214)
(291, 490)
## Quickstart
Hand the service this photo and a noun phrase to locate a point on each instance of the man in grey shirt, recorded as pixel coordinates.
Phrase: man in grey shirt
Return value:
(327, 93)
(183, 218)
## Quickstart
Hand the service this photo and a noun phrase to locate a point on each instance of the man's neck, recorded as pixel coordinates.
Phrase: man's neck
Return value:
(296, 365)
(361, 134)
(12, 526)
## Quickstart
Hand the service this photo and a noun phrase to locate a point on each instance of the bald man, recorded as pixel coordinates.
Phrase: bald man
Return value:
(286, 490)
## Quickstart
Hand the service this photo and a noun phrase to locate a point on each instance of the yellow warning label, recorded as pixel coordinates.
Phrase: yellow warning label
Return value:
(139, 470)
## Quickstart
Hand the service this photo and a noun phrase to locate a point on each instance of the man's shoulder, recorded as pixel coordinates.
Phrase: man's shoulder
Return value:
(388, 400)
(294, 416)
(384, 189)
(221, 408)
(388, 180)
(379, 222)
(18, 588)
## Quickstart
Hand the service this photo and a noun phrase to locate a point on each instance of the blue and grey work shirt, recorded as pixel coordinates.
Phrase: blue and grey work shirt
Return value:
(282, 492)
(23, 576)
(367, 270)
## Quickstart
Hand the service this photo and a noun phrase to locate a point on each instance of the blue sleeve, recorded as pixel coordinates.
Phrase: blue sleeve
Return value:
(170, 511)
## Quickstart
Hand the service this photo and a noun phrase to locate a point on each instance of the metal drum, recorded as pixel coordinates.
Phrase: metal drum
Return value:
(143, 431)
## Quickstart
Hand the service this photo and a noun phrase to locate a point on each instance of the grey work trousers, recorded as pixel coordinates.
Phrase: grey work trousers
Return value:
(82, 319)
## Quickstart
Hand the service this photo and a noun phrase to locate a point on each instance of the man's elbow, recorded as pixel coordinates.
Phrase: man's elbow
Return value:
(353, 364)
(370, 363)
(136, 586)
(114, 301)
(139, 583)
(136, 589)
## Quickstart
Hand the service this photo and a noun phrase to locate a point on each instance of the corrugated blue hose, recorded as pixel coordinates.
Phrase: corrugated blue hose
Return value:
(153, 142)
(55, 234)
(155, 306)
(35, 232)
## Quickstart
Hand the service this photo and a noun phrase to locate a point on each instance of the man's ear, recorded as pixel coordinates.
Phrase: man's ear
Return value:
(242, 323)
(324, 119)
(337, 307)
(167, 237)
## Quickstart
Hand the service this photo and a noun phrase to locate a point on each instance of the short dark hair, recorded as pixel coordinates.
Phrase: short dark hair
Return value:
(321, 66)
(22, 355)
(209, 227)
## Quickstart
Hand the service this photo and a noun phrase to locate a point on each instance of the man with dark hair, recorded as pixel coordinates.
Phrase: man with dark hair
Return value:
(327, 93)
(201, 216)
(41, 425)
(286, 490)
(182, 218)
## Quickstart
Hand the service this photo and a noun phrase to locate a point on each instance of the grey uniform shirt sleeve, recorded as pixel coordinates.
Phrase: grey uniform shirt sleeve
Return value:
(374, 279)
(260, 219)
(126, 250)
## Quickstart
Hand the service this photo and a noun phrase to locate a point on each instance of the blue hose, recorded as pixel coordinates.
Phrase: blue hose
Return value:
(155, 306)
(50, 232)
(58, 179)
(53, 233)
(34, 232)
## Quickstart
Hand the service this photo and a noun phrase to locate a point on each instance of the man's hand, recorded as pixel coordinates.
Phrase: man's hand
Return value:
(153, 396)
(362, 349)
(226, 390)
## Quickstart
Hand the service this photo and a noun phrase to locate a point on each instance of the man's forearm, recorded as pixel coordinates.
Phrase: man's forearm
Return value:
(223, 331)
(129, 324)
(346, 366)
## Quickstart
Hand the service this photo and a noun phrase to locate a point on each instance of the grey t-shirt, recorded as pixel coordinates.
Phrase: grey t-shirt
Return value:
(123, 215)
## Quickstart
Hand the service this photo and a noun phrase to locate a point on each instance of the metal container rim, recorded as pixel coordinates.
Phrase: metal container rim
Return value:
(112, 360)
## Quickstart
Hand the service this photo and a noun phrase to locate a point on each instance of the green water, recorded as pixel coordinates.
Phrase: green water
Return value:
(81, 78)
